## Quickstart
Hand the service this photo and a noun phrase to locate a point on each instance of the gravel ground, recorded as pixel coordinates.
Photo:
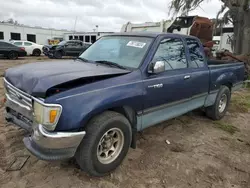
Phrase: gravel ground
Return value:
(190, 151)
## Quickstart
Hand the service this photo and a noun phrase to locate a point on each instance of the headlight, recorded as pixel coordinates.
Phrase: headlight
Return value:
(47, 114)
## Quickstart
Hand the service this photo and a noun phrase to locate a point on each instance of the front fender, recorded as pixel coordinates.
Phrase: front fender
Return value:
(79, 108)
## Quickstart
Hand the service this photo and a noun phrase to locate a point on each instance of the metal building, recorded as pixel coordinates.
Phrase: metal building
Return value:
(34, 34)
(89, 37)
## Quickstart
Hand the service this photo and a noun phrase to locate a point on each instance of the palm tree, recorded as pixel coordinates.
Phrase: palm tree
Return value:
(238, 13)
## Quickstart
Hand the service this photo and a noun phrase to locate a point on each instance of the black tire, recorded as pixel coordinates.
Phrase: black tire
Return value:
(87, 154)
(13, 55)
(216, 112)
(58, 54)
(36, 52)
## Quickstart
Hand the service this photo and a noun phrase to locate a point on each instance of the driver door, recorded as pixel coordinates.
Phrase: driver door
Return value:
(168, 91)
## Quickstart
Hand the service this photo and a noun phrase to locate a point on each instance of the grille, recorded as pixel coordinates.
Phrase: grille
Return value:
(18, 95)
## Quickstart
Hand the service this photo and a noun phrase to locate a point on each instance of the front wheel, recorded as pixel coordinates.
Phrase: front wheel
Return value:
(108, 138)
(58, 54)
(219, 109)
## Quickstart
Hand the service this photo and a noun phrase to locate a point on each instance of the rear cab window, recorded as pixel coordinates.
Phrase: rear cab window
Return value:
(172, 52)
(197, 58)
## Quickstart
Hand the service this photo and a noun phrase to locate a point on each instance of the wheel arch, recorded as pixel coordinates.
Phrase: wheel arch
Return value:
(61, 51)
(37, 49)
(228, 84)
(226, 79)
(128, 112)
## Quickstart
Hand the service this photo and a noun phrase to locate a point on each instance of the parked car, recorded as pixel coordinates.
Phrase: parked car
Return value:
(91, 108)
(30, 47)
(65, 48)
(11, 51)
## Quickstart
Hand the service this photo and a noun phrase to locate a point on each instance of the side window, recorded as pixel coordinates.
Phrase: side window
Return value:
(73, 44)
(78, 44)
(18, 43)
(69, 44)
(172, 52)
(196, 54)
(27, 44)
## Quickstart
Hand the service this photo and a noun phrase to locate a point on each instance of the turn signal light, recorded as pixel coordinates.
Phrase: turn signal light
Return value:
(52, 116)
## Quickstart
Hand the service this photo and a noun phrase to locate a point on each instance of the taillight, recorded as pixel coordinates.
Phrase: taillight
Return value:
(22, 48)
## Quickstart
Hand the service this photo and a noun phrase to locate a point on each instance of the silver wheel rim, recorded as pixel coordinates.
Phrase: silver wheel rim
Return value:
(110, 146)
(223, 103)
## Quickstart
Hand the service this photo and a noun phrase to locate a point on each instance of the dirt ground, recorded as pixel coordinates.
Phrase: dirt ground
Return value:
(190, 151)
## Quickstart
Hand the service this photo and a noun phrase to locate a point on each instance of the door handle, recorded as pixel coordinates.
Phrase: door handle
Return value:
(187, 77)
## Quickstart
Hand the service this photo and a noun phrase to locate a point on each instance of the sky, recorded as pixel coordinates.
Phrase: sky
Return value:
(109, 15)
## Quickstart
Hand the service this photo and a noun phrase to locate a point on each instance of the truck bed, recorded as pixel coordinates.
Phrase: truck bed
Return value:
(215, 62)
(221, 70)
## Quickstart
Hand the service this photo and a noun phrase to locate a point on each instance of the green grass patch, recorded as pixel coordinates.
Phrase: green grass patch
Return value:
(226, 127)
(39, 58)
(240, 102)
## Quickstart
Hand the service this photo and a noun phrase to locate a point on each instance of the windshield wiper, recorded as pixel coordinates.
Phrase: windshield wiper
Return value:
(82, 59)
(110, 63)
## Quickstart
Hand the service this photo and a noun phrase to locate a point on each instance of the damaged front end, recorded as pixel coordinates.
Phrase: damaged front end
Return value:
(40, 119)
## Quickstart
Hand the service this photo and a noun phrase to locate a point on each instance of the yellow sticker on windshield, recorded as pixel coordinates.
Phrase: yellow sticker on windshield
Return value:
(136, 44)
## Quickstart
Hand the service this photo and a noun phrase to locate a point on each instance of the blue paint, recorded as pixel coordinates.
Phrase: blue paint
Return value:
(127, 88)
(131, 89)
(170, 112)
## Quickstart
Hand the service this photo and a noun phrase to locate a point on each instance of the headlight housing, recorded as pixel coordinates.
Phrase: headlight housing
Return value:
(47, 114)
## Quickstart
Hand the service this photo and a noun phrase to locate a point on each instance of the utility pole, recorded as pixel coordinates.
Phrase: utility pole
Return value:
(74, 28)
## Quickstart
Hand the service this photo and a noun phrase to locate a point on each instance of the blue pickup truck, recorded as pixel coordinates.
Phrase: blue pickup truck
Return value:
(92, 107)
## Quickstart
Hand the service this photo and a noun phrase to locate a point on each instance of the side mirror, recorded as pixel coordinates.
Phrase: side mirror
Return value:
(156, 67)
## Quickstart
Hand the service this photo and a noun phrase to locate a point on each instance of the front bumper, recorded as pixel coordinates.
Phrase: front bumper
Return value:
(48, 52)
(47, 145)
(22, 54)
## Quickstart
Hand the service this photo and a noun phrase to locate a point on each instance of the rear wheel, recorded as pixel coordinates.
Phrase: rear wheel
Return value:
(36, 52)
(107, 140)
(58, 54)
(13, 55)
(219, 109)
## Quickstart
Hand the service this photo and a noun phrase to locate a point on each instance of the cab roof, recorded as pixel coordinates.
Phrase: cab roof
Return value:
(150, 34)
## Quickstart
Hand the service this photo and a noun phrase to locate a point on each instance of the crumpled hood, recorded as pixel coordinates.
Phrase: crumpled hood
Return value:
(37, 78)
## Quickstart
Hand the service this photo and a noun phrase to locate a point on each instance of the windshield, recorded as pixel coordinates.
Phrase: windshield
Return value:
(62, 43)
(126, 51)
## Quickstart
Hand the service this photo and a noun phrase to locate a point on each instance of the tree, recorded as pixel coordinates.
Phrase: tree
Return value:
(10, 21)
(238, 14)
